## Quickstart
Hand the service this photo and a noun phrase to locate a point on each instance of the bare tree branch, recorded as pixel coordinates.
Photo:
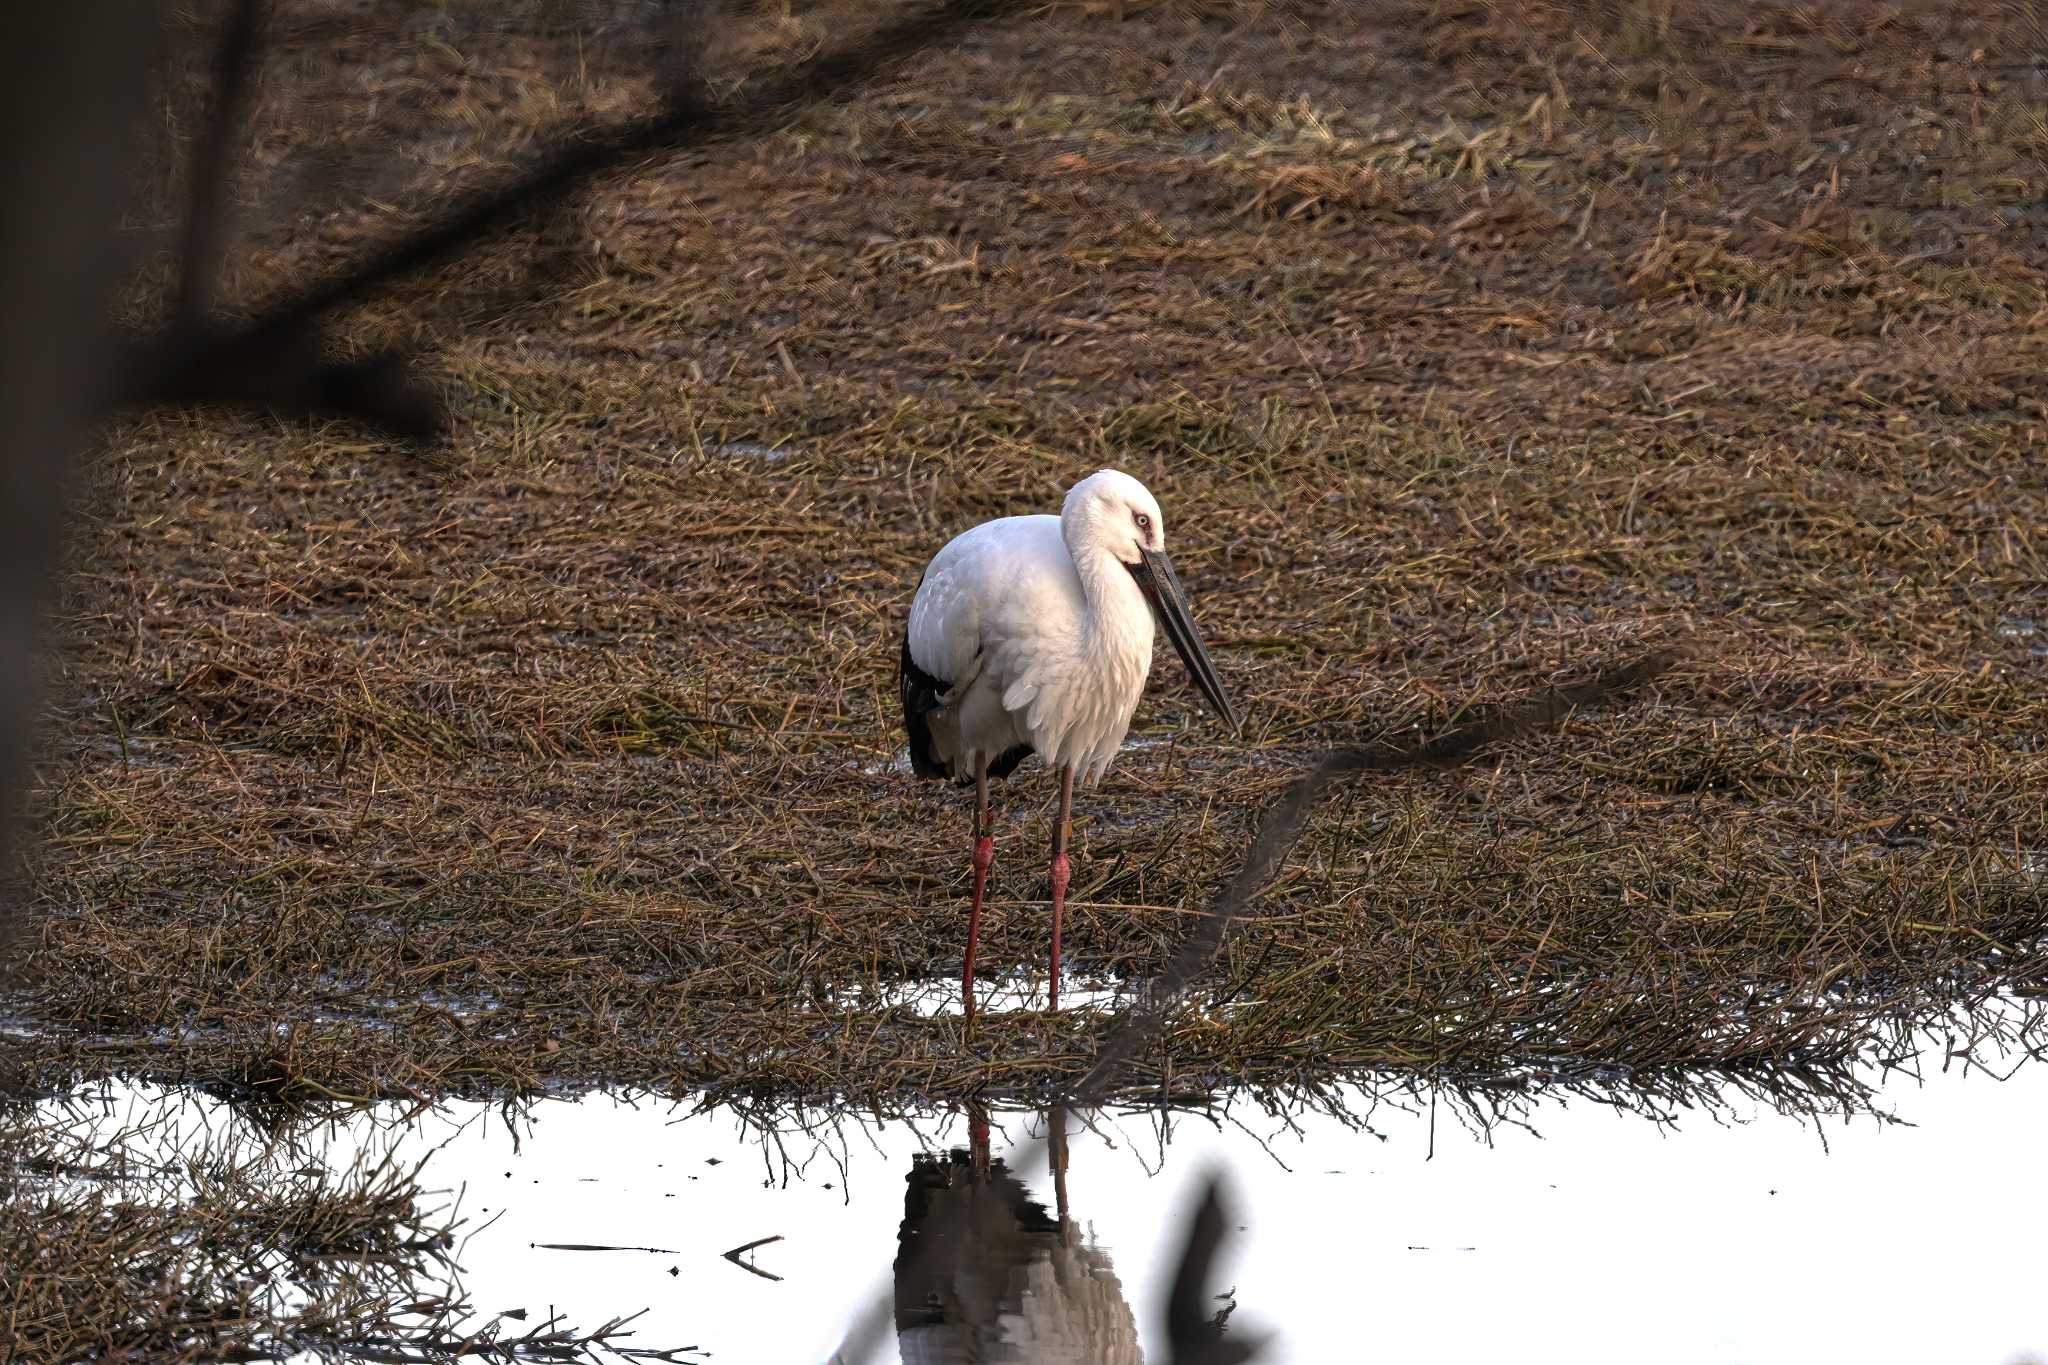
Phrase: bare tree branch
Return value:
(273, 360)
(286, 371)
(212, 162)
(679, 124)
(1281, 828)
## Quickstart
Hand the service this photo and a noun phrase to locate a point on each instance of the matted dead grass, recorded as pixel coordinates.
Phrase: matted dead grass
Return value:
(1465, 346)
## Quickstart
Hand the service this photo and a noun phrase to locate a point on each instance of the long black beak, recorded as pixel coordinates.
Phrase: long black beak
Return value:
(1161, 586)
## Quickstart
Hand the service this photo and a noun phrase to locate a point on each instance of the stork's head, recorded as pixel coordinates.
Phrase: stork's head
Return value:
(1112, 512)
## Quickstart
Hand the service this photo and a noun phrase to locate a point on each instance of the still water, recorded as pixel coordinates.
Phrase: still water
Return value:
(1583, 1233)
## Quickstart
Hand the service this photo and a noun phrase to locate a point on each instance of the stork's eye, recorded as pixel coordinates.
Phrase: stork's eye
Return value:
(1144, 522)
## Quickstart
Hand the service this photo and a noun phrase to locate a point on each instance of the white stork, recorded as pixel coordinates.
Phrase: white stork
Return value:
(1033, 635)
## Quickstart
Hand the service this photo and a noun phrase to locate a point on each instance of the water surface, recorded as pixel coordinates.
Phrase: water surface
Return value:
(1585, 1233)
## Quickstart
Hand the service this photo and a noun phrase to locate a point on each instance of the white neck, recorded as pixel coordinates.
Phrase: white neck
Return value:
(1119, 618)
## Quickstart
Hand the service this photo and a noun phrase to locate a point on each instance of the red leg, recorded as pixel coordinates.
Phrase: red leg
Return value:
(1056, 1148)
(1062, 873)
(977, 1137)
(984, 858)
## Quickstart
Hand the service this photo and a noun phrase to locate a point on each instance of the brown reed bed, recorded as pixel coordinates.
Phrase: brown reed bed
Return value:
(1466, 347)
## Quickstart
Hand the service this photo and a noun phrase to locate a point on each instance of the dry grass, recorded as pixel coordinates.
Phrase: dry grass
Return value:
(118, 1254)
(157, 1234)
(1463, 344)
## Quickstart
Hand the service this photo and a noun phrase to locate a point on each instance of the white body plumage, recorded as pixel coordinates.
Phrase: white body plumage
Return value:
(1040, 632)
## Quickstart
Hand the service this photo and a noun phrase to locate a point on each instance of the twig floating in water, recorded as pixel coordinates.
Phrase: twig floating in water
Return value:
(739, 1251)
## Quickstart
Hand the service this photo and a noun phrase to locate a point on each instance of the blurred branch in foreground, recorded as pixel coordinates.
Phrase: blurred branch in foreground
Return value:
(71, 84)
(277, 359)
(1281, 828)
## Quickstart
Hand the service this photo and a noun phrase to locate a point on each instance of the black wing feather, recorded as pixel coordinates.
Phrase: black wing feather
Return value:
(1006, 762)
(921, 694)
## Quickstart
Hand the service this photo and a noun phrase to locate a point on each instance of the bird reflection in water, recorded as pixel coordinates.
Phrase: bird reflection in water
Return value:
(984, 1274)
